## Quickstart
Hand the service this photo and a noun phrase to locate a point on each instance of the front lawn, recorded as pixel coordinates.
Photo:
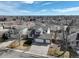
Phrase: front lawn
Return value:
(20, 45)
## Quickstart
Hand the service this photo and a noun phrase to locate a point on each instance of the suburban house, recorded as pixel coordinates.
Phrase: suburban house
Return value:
(41, 34)
(73, 40)
(2, 30)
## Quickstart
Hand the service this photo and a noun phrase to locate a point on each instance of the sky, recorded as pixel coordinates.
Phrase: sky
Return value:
(39, 8)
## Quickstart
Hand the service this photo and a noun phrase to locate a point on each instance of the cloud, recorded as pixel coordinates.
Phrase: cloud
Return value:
(28, 2)
(72, 9)
(47, 3)
(10, 8)
(62, 11)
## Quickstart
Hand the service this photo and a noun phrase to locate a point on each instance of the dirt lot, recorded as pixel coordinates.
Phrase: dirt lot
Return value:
(55, 51)
(19, 45)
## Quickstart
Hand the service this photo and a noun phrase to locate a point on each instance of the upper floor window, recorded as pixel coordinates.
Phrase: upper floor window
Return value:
(77, 38)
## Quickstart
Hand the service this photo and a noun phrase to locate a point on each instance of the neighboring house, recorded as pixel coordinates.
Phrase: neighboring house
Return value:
(2, 30)
(55, 27)
(73, 40)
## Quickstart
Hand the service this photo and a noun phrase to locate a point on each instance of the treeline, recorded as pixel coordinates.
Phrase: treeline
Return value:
(50, 19)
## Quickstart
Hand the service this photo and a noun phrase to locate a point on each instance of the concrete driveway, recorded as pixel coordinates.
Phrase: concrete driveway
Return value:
(39, 49)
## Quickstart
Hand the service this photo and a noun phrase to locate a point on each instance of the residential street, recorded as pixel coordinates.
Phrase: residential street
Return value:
(6, 53)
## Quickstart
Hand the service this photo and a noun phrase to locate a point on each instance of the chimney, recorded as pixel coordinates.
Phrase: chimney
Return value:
(48, 31)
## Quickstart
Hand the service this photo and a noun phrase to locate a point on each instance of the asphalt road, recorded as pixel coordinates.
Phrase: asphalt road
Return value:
(13, 54)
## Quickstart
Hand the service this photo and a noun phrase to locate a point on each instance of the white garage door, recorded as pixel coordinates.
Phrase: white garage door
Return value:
(47, 41)
(39, 40)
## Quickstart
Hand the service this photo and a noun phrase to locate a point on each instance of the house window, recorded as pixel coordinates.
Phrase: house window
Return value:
(68, 43)
(77, 38)
(77, 43)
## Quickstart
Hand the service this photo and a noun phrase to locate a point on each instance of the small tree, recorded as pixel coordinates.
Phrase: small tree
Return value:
(4, 37)
(29, 41)
(14, 19)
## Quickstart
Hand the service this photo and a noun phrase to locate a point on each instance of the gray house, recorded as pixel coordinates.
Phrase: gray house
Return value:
(40, 35)
(73, 39)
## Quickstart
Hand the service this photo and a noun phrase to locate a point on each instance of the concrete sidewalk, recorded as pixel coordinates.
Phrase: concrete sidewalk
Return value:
(34, 54)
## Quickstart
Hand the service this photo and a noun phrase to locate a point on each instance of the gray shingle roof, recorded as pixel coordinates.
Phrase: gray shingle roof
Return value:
(45, 36)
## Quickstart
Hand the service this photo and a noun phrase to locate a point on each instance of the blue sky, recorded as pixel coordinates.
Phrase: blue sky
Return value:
(39, 8)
